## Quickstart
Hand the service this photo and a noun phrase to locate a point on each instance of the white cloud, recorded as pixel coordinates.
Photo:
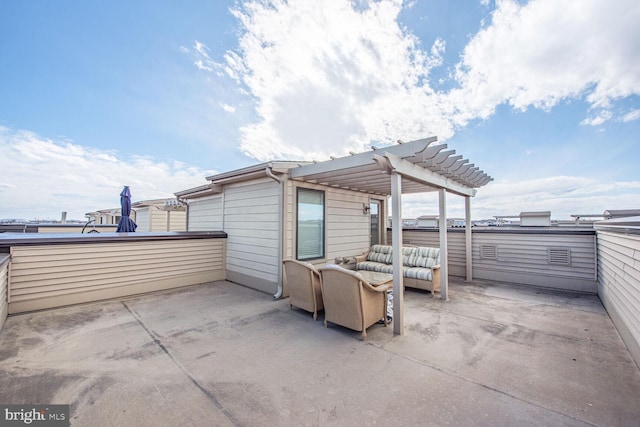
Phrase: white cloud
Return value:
(631, 116)
(333, 76)
(43, 177)
(562, 195)
(329, 77)
(601, 117)
(546, 51)
(228, 108)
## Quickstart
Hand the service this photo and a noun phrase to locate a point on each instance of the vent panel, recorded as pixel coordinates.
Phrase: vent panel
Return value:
(488, 252)
(559, 256)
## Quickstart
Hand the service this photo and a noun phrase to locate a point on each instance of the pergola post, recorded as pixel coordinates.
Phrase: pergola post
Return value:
(444, 262)
(396, 242)
(467, 238)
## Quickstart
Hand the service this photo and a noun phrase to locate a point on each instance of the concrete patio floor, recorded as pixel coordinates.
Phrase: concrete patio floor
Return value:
(221, 354)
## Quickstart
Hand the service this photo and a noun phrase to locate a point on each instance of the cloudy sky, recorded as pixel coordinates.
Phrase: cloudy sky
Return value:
(544, 96)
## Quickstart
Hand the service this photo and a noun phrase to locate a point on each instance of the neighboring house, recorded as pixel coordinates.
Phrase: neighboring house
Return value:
(106, 216)
(160, 215)
(428, 221)
(318, 211)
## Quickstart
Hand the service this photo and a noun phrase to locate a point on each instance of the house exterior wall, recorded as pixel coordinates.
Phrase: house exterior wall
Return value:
(54, 275)
(205, 214)
(619, 284)
(521, 257)
(4, 286)
(176, 220)
(251, 221)
(158, 220)
(347, 228)
(143, 219)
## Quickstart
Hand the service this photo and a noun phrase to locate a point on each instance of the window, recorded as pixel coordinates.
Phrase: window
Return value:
(310, 224)
(375, 222)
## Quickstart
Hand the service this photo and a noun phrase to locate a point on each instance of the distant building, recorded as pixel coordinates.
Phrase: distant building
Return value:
(428, 221)
(160, 215)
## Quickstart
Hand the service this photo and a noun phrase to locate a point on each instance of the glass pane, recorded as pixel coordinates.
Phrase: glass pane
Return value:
(310, 224)
(375, 223)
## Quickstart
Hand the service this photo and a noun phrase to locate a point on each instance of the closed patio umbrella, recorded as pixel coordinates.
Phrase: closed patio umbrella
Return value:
(126, 224)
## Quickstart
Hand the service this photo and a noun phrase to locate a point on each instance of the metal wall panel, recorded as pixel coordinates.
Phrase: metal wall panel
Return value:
(251, 221)
(619, 284)
(205, 214)
(521, 258)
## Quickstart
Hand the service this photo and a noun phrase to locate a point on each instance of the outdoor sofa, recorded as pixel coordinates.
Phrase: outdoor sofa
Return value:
(420, 265)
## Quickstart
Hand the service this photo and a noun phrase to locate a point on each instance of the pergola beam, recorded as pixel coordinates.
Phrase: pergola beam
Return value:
(391, 163)
(361, 159)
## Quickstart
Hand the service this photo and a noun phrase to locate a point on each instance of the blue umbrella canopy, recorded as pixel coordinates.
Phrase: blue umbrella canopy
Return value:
(126, 224)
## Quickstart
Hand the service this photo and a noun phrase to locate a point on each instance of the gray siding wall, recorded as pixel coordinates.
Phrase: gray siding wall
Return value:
(47, 276)
(205, 214)
(251, 221)
(619, 284)
(521, 258)
(4, 286)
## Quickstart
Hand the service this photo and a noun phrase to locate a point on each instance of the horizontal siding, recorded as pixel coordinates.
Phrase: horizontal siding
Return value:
(4, 286)
(205, 214)
(522, 258)
(348, 231)
(57, 275)
(619, 284)
(526, 253)
(455, 245)
(251, 221)
(158, 219)
(177, 221)
(143, 219)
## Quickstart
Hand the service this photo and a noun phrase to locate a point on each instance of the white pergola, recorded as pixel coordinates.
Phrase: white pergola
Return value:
(412, 167)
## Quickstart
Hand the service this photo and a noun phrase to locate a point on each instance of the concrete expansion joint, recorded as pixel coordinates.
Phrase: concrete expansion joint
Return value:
(184, 370)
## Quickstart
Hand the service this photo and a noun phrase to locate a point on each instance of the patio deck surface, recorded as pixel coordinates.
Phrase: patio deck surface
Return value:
(222, 354)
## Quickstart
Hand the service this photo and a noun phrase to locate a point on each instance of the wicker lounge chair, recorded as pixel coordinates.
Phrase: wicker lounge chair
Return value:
(303, 282)
(350, 301)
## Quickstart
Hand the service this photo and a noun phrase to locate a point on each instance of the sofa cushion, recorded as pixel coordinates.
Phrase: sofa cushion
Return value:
(371, 266)
(417, 273)
(380, 253)
(424, 257)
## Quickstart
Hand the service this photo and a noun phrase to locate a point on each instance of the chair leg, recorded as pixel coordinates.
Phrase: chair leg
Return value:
(325, 323)
(315, 316)
(364, 334)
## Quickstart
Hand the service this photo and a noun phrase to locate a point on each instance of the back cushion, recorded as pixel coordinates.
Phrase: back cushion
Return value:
(425, 257)
(380, 253)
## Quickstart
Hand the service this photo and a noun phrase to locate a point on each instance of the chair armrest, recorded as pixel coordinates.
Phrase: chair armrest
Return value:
(361, 258)
(379, 288)
(436, 267)
(383, 288)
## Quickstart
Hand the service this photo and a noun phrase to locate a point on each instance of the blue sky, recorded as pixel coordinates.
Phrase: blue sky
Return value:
(544, 96)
